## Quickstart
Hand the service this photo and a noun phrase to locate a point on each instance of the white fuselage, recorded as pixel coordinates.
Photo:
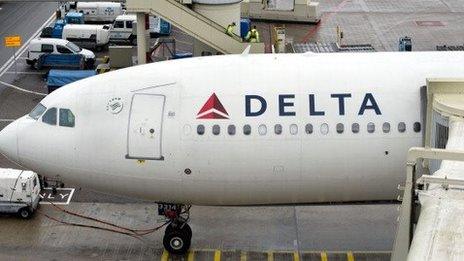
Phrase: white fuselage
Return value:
(151, 148)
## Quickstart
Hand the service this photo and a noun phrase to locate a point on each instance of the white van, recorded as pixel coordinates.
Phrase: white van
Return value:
(40, 46)
(125, 28)
(87, 35)
(99, 11)
(19, 192)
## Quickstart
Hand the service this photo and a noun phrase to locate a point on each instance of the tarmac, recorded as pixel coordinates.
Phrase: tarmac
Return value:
(314, 232)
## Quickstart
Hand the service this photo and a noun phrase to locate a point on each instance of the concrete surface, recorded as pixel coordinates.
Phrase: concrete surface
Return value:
(230, 229)
(233, 230)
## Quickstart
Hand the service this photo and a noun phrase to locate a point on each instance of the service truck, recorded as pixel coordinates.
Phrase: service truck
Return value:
(51, 52)
(91, 36)
(99, 11)
(125, 28)
(19, 192)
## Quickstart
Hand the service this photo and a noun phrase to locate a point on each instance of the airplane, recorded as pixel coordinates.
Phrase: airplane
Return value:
(237, 130)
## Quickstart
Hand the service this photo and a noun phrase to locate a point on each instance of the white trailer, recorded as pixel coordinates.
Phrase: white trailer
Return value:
(19, 192)
(99, 11)
(87, 35)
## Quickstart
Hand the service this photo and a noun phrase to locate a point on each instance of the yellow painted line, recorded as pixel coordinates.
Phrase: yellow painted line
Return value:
(270, 256)
(217, 255)
(296, 256)
(243, 256)
(191, 255)
(323, 256)
(350, 256)
(165, 256)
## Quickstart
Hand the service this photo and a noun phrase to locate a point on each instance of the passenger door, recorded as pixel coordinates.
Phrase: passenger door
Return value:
(145, 127)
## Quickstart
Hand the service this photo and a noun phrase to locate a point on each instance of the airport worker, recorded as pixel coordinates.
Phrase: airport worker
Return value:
(230, 29)
(253, 35)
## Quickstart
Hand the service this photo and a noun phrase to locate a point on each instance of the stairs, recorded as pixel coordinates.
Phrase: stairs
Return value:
(194, 24)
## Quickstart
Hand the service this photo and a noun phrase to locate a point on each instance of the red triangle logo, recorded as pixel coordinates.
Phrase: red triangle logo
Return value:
(213, 109)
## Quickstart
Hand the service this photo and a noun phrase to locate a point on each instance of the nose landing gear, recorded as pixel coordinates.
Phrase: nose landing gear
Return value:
(178, 234)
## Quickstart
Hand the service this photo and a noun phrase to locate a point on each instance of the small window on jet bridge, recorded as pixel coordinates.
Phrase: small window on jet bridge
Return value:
(441, 137)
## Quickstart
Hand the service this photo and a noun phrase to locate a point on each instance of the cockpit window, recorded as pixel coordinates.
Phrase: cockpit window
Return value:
(37, 111)
(50, 116)
(66, 118)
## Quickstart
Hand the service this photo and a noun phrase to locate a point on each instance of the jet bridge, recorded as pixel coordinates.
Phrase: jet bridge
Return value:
(195, 24)
(430, 223)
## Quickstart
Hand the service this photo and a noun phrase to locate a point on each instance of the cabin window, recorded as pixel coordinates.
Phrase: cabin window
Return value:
(66, 118)
(293, 129)
(371, 127)
(355, 127)
(128, 24)
(47, 48)
(216, 129)
(62, 49)
(340, 128)
(324, 128)
(401, 127)
(119, 24)
(262, 129)
(201, 129)
(386, 127)
(417, 127)
(37, 111)
(231, 129)
(309, 128)
(50, 116)
(247, 129)
(278, 129)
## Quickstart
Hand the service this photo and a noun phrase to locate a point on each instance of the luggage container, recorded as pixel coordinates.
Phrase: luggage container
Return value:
(245, 26)
(58, 78)
(19, 192)
(74, 18)
(89, 36)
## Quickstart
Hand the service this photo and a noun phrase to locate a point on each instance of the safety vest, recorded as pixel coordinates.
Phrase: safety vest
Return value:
(254, 34)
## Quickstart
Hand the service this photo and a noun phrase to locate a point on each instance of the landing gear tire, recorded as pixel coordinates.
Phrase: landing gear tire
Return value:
(177, 241)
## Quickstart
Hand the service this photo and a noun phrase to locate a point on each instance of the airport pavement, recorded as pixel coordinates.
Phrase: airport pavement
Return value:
(256, 231)
(23, 19)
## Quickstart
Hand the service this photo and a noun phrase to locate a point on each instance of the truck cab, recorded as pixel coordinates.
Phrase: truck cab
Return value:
(19, 192)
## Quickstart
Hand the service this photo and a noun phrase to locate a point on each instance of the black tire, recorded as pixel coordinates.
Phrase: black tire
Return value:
(32, 64)
(133, 40)
(176, 242)
(25, 213)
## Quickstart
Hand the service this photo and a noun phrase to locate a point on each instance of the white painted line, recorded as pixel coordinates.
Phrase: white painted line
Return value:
(18, 53)
(23, 48)
(61, 203)
(35, 73)
(7, 120)
(21, 89)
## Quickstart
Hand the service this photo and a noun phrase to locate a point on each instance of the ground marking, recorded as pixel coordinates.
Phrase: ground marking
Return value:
(217, 255)
(323, 256)
(18, 53)
(165, 256)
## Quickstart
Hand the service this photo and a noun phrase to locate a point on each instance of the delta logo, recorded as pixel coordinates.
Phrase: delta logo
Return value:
(213, 109)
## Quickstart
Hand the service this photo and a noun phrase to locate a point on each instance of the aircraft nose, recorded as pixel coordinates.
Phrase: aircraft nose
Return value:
(9, 141)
